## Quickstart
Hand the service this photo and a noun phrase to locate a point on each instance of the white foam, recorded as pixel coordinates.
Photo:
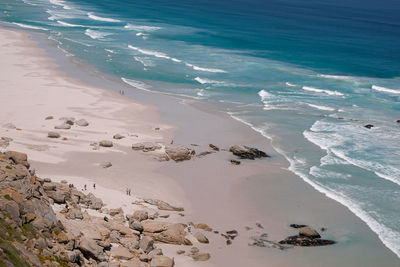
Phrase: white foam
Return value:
(265, 95)
(78, 42)
(29, 26)
(337, 77)
(385, 90)
(317, 90)
(205, 69)
(29, 3)
(60, 3)
(94, 17)
(110, 51)
(200, 92)
(70, 25)
(207, 81)
(326, 174)
(96, 34)
(290, 84)
(137, 84)
(321, 107)
(154, 53)
(140, 28)
(144, 61)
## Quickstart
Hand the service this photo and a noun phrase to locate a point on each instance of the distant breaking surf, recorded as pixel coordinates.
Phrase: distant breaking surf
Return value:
(94, 17)
(329, 92)
(384, 89)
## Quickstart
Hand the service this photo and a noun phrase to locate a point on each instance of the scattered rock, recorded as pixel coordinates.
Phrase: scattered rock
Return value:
(146, 244)
(308, 232)
(296, 226)
(136, 225)
(235, 162)
(162, 261)
(162, 205)
(205, 153)
(201, 238)
(53, 135)
(121, 253)
(306, 241)
(262, 241)
(49, 118)
(140, 215)
(203, 226)
(368, 126)
(63, 126)
(118, 136)
(179, 153)
(246, 152)
(105, 143)
(82, 122)
(179, 252)
(146, 146)
(106, 164)
(213, 147)
(200, 256)
(259, 225)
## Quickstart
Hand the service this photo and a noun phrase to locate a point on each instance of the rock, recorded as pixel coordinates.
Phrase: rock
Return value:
(146, 147)
(179, 153)
(53, 135)
(162, 261)
(49, 118)
(121, 253)
(82, 122)
(262, 241)
(306, 241)
(18, 158)
(179, 252)
(205, 153)
(153, 226)
(106, 165)
(57, 196)
(132, 245)
(94, 202)
(75, 214)
(203, 226)
(259, 225)
(155, 252)
(162, 205)
(201, 238)
(398, 121)
(90, 249)
(146, 244)
(213, 147)
(136, 225)
(105, 143)
(135, 262)
(200, 256)
(308, 232)
(245, 152)
(174, 234)
(118, 136)
(296, 226)
(114, 212)
(368, 126)
(63, 126)
(235, 162)
(115, 237)
(140, 215)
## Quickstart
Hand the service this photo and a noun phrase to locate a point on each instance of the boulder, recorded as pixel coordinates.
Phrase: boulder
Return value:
(106, 165)
(63, 126)
(140, 215)
(235, 162)
(368, 126)
(118, 136)
(201, 238)
(203, 226)
(82, 122)
(174, 234)
(246, 152)
(213, 147)
(49, 118)
(121, 253)
(308, 232)
(151, 226)
(304, 241)
(18, 158)
(179, 153)
(146, 244)
(75, 214)
(105, 143)
(162, 261)
(53, 135)
(115, 236)
(155, 252)
(136, 225)
(90, 249)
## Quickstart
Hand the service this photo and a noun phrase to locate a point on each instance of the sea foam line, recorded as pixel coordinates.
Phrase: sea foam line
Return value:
(205, 69)
(60, 3)
(70, 25)
(317, 90)
(94, 17)
(29, 26)
(384, 89)
(321, 107)
(140, 28)
(96, 34)
(154, 53)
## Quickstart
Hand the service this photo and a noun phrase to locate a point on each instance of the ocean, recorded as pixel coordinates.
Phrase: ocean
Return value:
(307, 75)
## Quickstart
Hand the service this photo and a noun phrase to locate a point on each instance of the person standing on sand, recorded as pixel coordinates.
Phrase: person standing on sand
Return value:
(85, 187)
(94, 186)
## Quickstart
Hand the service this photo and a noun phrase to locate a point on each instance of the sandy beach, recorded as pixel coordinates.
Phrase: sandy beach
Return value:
(35, 86)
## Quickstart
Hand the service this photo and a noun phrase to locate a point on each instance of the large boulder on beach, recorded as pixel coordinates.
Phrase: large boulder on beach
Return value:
(82, 122)
(174, 234)
(308, 232)
(90, 249)
(179, 153)
(246, 152)
(105, 143)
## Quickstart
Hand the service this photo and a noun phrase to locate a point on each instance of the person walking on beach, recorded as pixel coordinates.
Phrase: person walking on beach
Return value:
(129, 192)
(85, 187)
(94, 186)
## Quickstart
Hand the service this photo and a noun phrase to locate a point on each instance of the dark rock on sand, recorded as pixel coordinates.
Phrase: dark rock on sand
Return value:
(368, 126)
(296, 226)
(106, 164)
(146, 146)
(118, 136)
(306, 241)
(49, 118)
(246, 152)
(105, 143)
(262, 241)
(213, 147)
(53, 135)
(235, 162)
(205, 153)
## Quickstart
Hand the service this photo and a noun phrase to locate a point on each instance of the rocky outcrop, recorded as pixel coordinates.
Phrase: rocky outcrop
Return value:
(162, 205)
(179, 153)
(246, 152)
(307, 237)
(146, 147)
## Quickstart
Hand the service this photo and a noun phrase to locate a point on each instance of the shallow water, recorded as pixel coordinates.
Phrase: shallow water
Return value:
(307, 75)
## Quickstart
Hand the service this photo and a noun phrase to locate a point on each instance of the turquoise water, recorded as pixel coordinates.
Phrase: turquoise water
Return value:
(306, 74)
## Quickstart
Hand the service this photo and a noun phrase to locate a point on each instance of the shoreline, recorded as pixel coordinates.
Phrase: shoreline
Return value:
(187, 132)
